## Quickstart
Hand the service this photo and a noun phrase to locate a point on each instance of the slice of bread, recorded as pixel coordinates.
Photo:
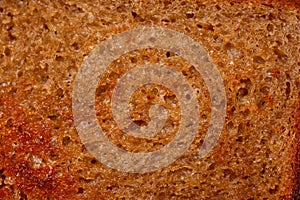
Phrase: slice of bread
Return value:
(255, 45)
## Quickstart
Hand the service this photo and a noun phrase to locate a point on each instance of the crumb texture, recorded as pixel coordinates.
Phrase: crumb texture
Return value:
(254, 44)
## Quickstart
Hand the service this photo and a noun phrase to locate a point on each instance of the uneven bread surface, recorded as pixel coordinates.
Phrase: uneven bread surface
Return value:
(254, 44)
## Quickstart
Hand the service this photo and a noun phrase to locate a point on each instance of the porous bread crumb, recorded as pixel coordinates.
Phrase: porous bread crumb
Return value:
(254, 44)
